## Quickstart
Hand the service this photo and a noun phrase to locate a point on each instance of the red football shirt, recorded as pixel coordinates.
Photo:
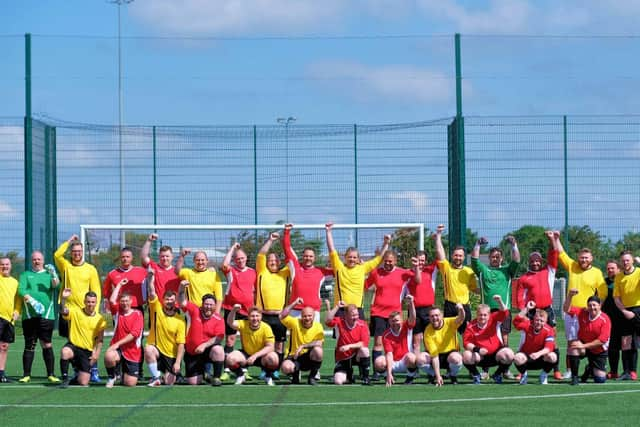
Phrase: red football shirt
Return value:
(199, 329)
(590, 330)
(241, 285)
(537, 286)
(358, 333)
(530, 341)
(389, 286)
(166, 279)
(134, 286)
(398, 344)
(488, 337)
(424, 292)
(132, 323)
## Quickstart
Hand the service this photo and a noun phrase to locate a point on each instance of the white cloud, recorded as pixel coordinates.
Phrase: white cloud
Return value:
(77, 216)
(7, 212)
(402, 83)
(199, 17)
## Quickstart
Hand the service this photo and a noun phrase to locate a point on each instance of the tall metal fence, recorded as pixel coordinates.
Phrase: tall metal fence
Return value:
(547, 171)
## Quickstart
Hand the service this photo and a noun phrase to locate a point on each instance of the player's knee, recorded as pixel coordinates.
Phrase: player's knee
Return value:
(288, 367)
(410, 360)
(30, 344)
(363, 352)
(626, 342)
(270, 361)
(46, 344)
(217, 353)
(550, 357)
(150, 353)
(455, 358)
(467, 358)
(520, 359)
(316, 354)
(505, 355)
(599, 379)
(4, 346)
(66, 353)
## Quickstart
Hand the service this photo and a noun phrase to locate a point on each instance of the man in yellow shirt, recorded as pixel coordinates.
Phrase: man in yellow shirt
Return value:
(257, 345)
(626, 294)
(305, 343)
(10, 309)
(458, 280)
(165, 344)
(202, 279)
(442, 346)
(86, 333)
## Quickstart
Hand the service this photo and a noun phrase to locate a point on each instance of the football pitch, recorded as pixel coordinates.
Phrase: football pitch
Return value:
(326, 405)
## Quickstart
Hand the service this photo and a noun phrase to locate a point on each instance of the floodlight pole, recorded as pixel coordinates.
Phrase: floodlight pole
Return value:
(120, 116)
(286, 122)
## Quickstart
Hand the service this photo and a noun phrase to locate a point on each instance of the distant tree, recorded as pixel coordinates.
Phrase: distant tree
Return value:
(17, 262)
(530, 238)
(584, 237)
(630, 242)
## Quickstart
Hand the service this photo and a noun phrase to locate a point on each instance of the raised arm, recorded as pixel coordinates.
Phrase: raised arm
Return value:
(437, 237)
(66, 293)
(417, 271)
(58, 255)
(515, 252)
(526, 309)
(267, 245)
(331, 312)
(182, 293)
(498, 299)
(285, 312)
(226, 262)
(475, 252)
(328, 228)
(180, 262)
(289, 253)
(386, 241)
(566, 307)
(461, 314)
(151, 284)
(412, 309)
(557, 244)
(146, 249)
(231, 318)
(115, 293)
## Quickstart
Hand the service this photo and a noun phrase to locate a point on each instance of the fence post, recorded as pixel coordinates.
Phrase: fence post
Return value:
(255, 176)
(28, 161)
(566, 181)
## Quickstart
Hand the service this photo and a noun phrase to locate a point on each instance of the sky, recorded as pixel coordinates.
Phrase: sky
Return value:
(240, 62)
(335, 61)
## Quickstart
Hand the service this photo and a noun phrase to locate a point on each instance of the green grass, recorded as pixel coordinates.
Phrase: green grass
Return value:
(325, 405)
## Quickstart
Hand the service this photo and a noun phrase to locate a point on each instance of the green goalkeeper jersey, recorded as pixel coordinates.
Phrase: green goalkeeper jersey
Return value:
(39, 287)
(495, 281)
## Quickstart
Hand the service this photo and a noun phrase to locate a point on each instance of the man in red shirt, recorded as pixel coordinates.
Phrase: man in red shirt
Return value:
(134, 276)
(537, 348)
(482, 342)
(389, 281)
(125, 348)
(395, 341)
(423, 291)
(306, 278)
(205, 332)
(166, 278)
(352, 347)
(241, 287)
(594, 331)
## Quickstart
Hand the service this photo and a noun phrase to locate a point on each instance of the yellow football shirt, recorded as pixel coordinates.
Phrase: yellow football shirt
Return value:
(202, 283)
(271, 288)
(254, 340)
(587, 282)
(443, 340)
(300, 335)
(84, 330)
(458, 282)
(349, 286)
(627, 288)
(165, 332)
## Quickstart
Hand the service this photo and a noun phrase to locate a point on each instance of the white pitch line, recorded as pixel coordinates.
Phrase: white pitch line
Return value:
(309, 404)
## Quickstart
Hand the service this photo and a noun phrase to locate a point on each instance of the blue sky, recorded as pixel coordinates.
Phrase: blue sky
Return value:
(335, 61)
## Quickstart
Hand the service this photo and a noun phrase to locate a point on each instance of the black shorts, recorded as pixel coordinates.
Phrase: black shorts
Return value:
(228, 330)
(279, 330)
(7, 331)
(38, 328)
(450, 310)
(539, 363)
(345, 365)
(63, 327)
(444, 362)
(303, 362)
(551, 315)
(377, 326)
(597, 361)
(81, 358)
(630, 326)
(165, 363)
(194, 363)
(257, 362)
(505, 326)
(128, 367)
(422, 319)
(488, 361)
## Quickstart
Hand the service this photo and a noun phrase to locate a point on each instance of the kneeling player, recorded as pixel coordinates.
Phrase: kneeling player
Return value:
(398, 358)
(257, 345)
(594, 331)
(442, 346)
(483, 342)
(204, 338)
(125, 347)
(352, 347)
(305, 343)
(537, 349)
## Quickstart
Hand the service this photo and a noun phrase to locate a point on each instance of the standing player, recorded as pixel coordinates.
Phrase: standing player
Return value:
(10, 307)
(37, 287)
(627, 297)
(396, 340)
(350, 275)
(594, 330)
(442, 346)
(305, 344)
(271, 292)
(257, 345)
(165, 276)
(86, 332)
(457, 279)
(616, 317)
(203, 280)
(125, 347)
(583, 277)
(165, 344)
(482, 341)
(241, 287)
(495, 279)
(423, 291)
(389, 284)
(352, 347)
(205, 332)
(306, 278)
(538, 343)
(133, 285)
